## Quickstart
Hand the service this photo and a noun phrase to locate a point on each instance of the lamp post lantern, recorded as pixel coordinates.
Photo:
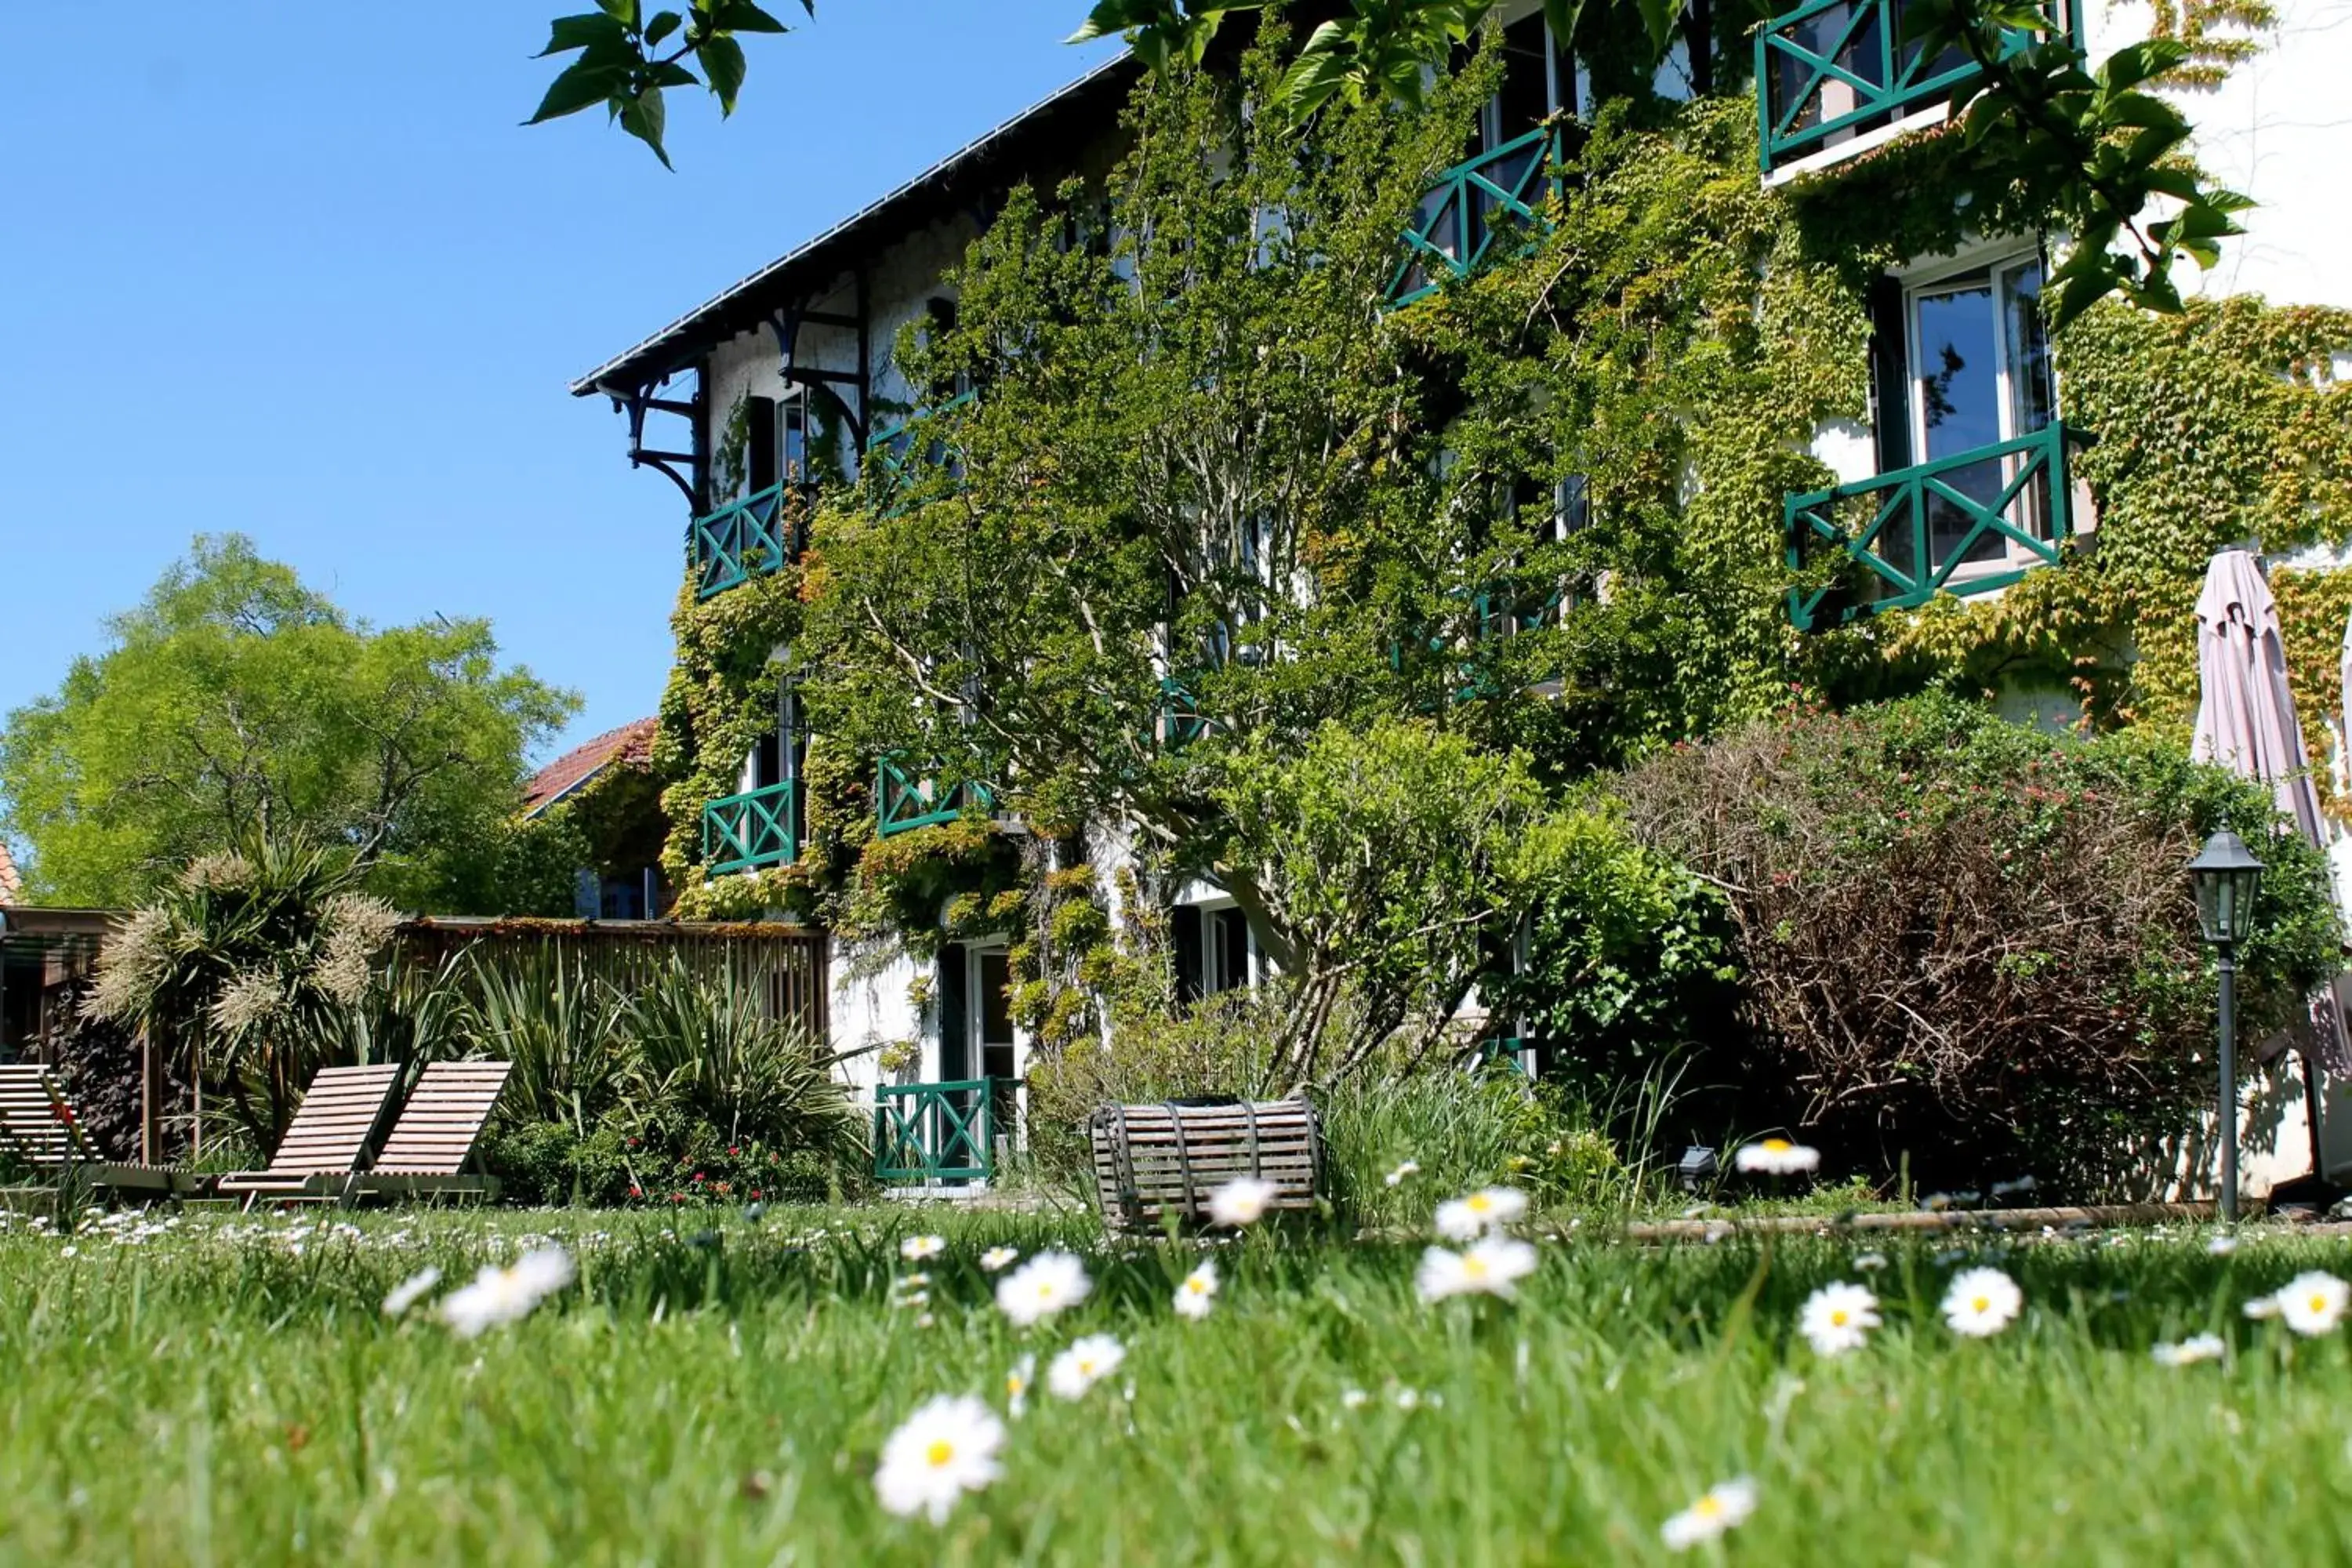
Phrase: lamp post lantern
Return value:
(2226, 876)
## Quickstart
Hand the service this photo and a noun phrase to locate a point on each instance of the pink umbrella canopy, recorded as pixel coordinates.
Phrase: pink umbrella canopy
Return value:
(2245, 713)
(2246, 721)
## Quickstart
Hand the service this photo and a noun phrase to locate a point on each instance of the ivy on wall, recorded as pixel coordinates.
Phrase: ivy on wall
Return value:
(1674, 342)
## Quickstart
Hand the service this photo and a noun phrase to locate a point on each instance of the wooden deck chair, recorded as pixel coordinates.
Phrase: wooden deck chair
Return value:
(439, 1132)
(40, 1126)
(327, 1143)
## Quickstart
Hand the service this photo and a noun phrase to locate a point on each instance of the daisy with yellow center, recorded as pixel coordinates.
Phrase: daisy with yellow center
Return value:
(1493, 1267)
(1084, 1364)
(1981, 1303)
(1777, 1157)
(1719, 1510)
(1838, 1318)
(1198, 1293)
(1468, 1218)
(947, 1447)
(2313, 1303)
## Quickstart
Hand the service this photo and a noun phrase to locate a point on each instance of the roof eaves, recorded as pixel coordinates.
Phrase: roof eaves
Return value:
(677, 335)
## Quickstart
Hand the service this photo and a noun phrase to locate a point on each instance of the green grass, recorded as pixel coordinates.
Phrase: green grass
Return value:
(210, 1394)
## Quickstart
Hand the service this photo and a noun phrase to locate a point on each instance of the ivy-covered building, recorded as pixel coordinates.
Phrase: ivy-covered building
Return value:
(1802, 424)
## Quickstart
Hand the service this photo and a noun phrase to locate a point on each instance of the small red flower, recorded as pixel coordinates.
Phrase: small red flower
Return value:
(732, 1150)
(636, 1190)
(698, 1178)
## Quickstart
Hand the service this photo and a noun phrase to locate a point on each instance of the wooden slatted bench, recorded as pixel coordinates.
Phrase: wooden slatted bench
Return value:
(328, 1139)
(439, 1132)
(39, 1125)
(1152, 1161)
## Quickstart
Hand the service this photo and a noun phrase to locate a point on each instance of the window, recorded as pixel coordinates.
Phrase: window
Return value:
(1538, 79)
(1976, 373)
(776, 758)
(776, 441)
(1212, 950)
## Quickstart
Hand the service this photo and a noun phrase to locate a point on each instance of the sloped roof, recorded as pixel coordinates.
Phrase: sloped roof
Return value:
(631, 744)
(1050, 126)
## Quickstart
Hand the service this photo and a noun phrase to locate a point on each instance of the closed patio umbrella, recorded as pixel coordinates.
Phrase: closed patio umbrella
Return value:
(2246, 721)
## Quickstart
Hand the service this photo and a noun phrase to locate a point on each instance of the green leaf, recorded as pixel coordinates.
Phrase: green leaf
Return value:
(1561, 16)
(588, 32)
(2136, 63)
(1658, 18)
(586, 82)
(660, 27)
(1320, 69)
(1111, 17)
(722, 62)
(622, 11)
(644, 118)
(743, 16)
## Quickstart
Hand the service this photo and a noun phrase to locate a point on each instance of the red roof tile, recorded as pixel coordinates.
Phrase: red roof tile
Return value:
(631, 743)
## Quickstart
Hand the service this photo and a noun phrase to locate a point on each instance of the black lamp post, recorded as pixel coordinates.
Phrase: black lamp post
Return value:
(2226, 876)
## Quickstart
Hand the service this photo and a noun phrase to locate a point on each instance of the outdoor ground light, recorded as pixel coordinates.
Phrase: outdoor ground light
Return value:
(1698, 1168)
(2226, 876)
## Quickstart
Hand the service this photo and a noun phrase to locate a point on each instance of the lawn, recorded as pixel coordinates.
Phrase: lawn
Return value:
(716, 1388)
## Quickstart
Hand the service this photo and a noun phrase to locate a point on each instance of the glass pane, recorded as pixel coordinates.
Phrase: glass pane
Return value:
(995, 1006)
(1955, 376)
(2033, 402)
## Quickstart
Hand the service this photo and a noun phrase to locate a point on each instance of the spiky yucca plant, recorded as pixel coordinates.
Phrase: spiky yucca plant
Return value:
(247, 966)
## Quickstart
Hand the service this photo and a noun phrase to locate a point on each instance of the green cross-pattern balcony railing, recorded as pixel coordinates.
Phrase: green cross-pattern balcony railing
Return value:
(903, 801)
(935, 1132)
(891, 449)
(736, 543)
(1968, 523)
(1181, 718)
(743, 832)
(1835, 66)
(1452, 230)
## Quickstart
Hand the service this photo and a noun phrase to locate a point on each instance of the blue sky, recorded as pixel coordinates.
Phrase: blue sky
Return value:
(296, 270)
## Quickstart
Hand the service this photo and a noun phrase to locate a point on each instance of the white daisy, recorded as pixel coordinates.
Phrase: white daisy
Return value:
(1404, 1168)
(1981, 1303)
(2263, 1307)
(1871, 1262)
(409, 1291)
(1838, 1318)
(1198, 1293)
(2313, 1303)
(506, 1295)
(2222, 1246)
(997, 1257)
(1016, 1384)
(1461, 1219)
(1354, 1398)
(945, 1449)
(1084, 1364)
(2191, 1351)
(1493, 1267)
(915, 1248)
(1777, 1157)
(1042, 1287)
(1721, 1508)
(1240, 1201)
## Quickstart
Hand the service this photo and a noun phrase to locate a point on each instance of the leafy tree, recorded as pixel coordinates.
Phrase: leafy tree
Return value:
(236, 703)
(1197, 508)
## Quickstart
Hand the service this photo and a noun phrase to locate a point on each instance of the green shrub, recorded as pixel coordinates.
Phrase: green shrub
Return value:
(1463, 1131)
(1629, 959)
(1971, 943)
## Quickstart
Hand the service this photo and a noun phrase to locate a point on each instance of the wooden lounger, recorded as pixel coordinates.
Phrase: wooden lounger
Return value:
(39, 1125)
(328, 1141)
(427, 1150)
